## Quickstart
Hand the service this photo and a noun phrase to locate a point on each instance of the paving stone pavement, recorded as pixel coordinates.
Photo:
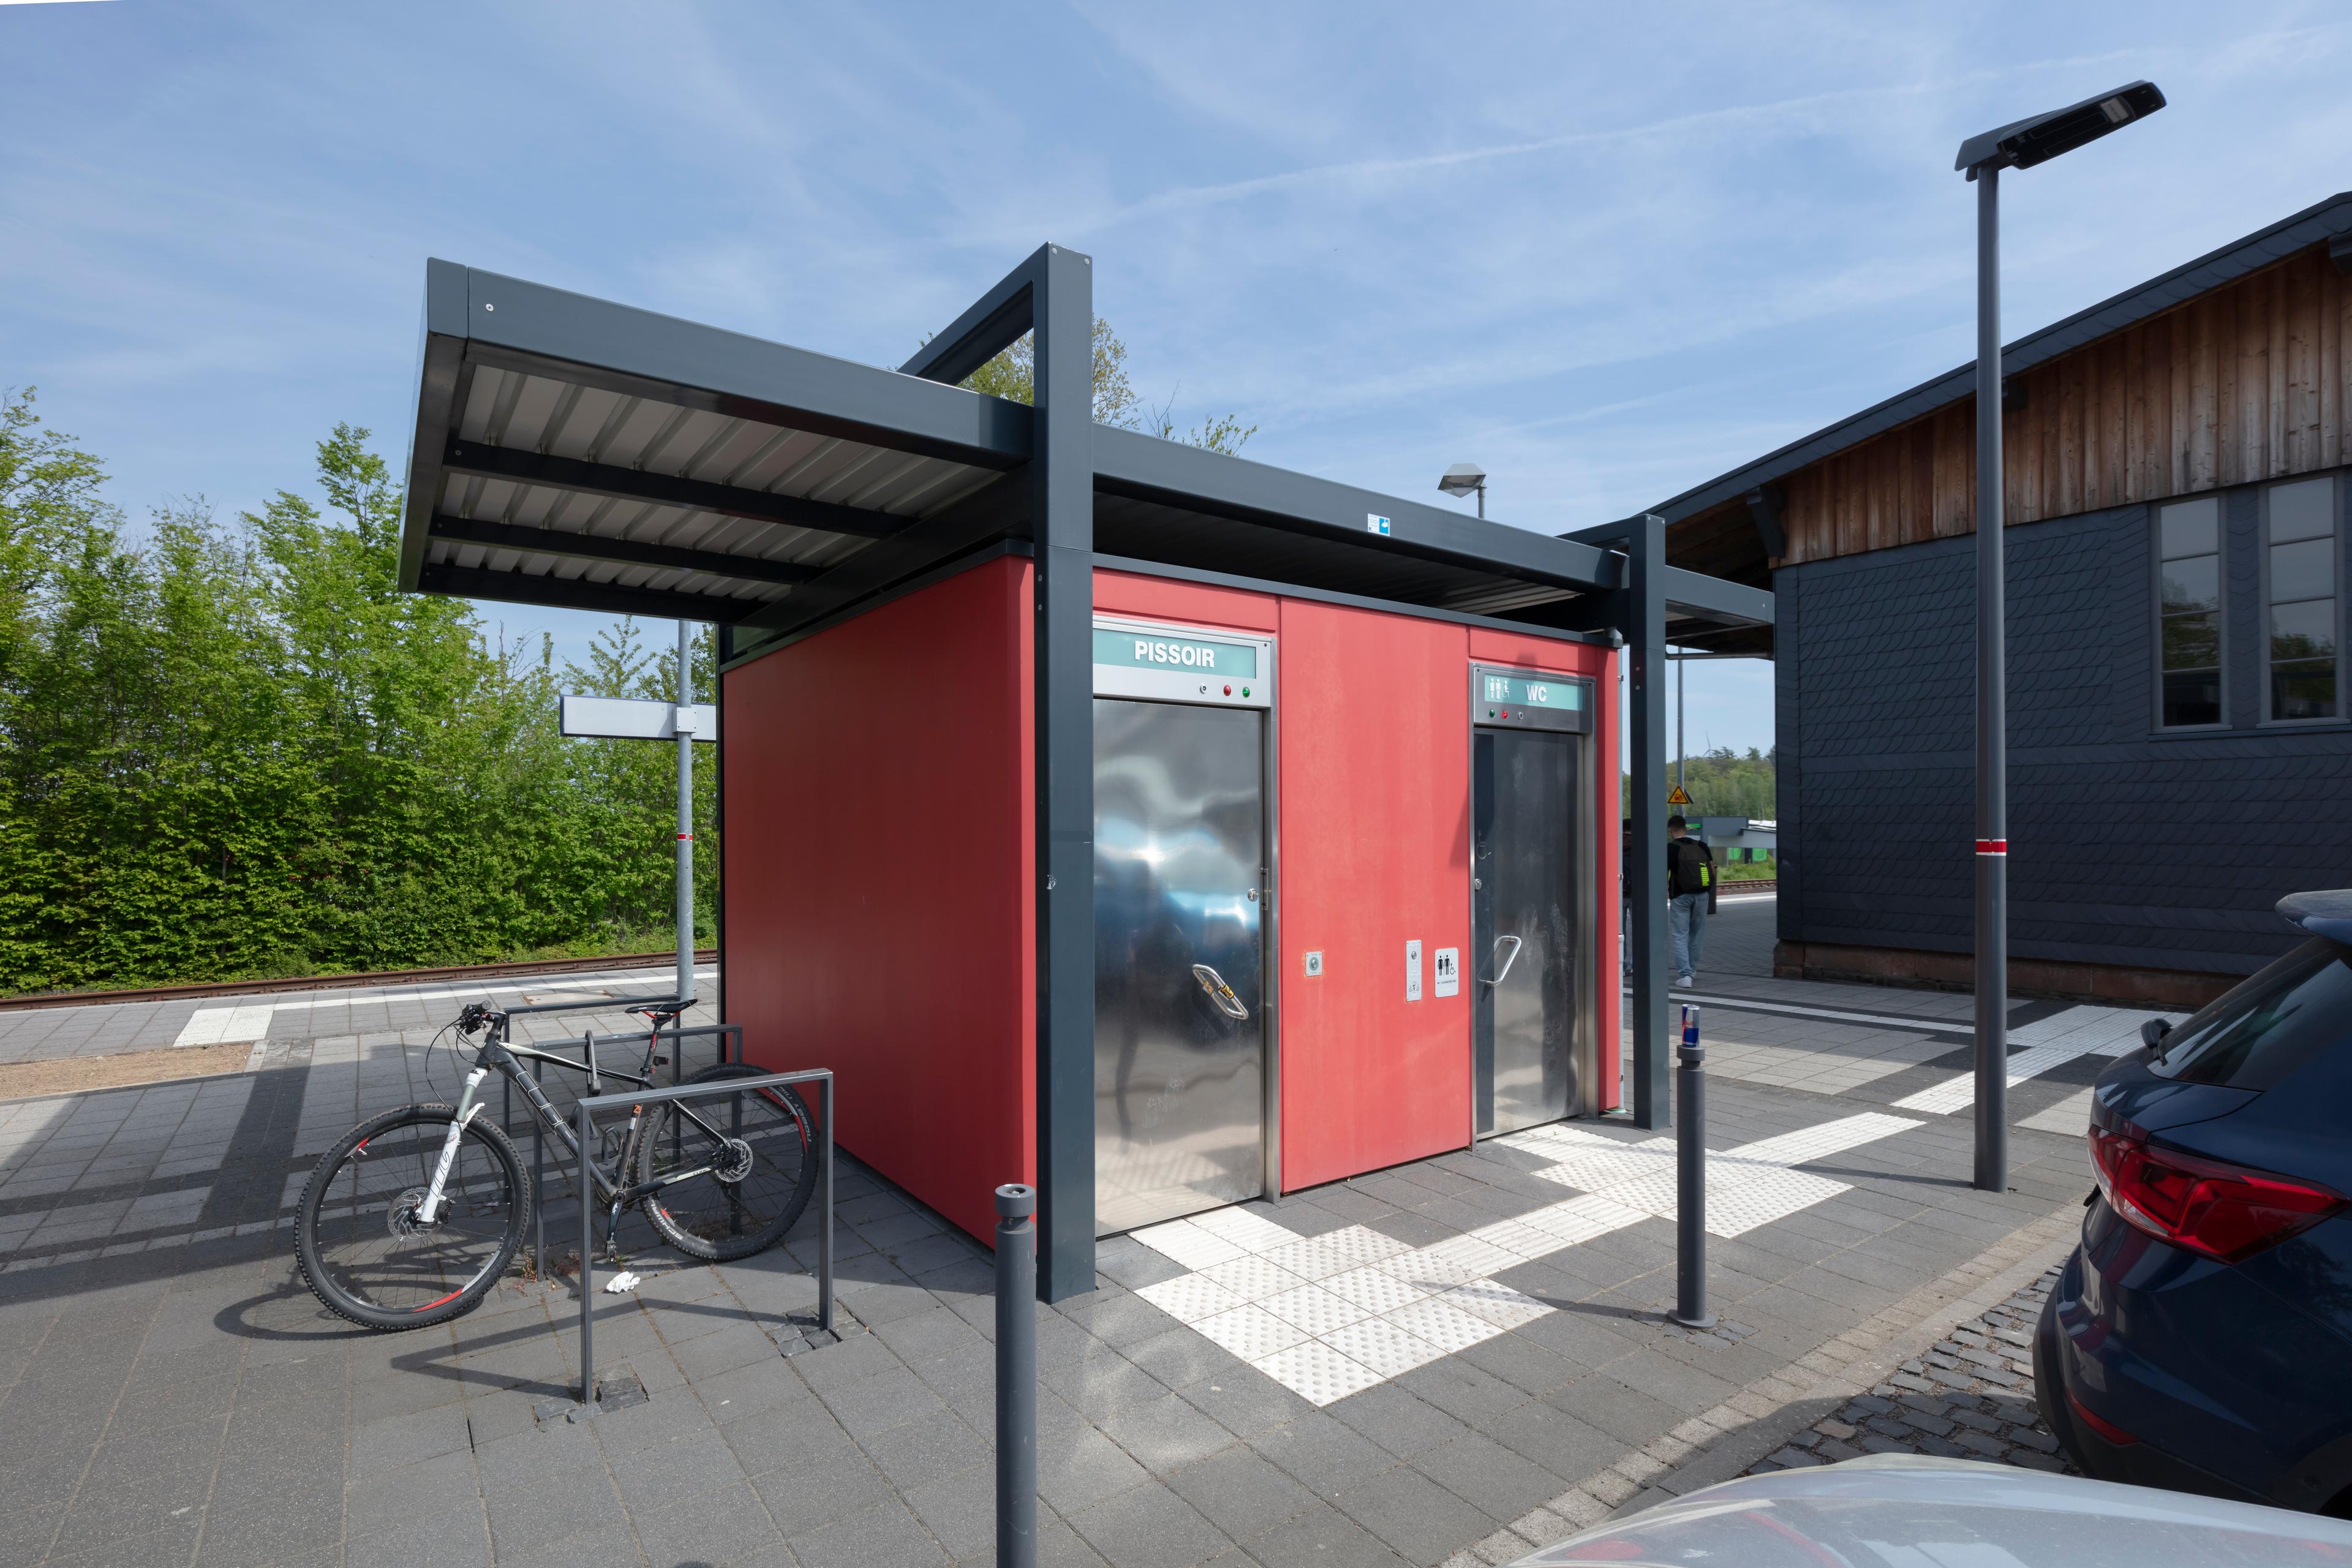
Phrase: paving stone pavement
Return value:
(1970, 1397)
(172, 1393)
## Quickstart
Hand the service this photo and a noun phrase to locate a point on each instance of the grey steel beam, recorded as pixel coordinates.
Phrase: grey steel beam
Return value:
(440, 359)
(623, 552)
(1644, 606)
(1061, 482)
(516, 465)
(578, 593)
(567, 336)
(1174, 474)
(994, 324)
(1695, 594)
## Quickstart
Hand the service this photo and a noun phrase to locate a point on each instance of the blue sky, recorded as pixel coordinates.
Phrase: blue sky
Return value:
(1605, 252)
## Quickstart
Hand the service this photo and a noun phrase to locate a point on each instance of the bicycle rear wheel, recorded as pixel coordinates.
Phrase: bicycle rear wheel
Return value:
(360, 1240)
(761, 1167)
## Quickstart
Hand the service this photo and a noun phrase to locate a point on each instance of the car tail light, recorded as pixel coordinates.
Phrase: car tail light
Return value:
(2098, 1423)
(2210, 1206)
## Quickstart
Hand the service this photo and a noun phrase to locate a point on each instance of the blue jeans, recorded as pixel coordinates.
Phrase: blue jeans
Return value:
(1687, 921)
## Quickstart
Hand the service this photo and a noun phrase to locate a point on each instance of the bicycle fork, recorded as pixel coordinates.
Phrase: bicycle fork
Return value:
(431, 1208)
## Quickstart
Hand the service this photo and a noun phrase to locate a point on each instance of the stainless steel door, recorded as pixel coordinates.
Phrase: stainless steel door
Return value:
(1180, 908)
(1524, 936)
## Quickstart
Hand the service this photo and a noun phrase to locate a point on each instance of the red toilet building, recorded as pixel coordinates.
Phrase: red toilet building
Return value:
(1158, 827)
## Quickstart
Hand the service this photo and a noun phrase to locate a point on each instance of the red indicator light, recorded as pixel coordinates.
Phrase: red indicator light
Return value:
(1229, 691)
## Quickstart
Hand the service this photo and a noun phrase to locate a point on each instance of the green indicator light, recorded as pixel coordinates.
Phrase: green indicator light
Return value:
(1246, 691)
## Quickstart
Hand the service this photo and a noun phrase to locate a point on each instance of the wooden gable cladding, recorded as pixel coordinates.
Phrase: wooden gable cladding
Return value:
(2251, 381)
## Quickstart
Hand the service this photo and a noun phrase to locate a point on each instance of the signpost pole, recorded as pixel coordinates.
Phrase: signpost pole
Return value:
(685, 812)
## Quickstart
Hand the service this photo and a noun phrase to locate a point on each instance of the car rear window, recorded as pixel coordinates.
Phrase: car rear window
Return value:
(2255, 1034)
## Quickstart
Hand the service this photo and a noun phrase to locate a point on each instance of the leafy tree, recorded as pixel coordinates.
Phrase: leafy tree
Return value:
(1012, 374)
(1721, 783)
(234, 750)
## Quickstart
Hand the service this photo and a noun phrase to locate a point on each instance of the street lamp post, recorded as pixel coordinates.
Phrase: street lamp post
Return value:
(1465, 478)
(2016, 146)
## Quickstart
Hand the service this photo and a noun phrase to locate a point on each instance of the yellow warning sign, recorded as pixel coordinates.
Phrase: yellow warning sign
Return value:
(1678, 797)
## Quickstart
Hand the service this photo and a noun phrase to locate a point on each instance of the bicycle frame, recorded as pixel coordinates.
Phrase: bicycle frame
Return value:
(495, 1055)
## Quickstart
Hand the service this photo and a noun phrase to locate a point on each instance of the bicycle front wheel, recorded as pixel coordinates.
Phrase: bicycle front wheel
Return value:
(749, 1164)
(362, 1241)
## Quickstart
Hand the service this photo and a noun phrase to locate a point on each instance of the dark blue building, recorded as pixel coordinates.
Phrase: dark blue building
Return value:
(2181, 721)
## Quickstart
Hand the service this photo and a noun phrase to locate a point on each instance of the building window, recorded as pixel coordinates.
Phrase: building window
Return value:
(2188, 612)
(2299, 572)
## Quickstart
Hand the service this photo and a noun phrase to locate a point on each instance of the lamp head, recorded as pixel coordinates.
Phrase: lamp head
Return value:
(1462, 479)
(2045, 136)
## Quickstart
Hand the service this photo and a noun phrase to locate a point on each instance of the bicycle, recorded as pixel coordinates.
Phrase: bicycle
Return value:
(413, 1217)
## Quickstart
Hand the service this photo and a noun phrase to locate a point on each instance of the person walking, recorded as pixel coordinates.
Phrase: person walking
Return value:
(1690, 876)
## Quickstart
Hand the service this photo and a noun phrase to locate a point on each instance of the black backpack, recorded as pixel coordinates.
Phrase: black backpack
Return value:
(1689, 868)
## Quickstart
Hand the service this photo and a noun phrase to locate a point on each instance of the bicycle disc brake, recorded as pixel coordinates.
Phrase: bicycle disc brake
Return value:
(402, 1219)
(734, 1162)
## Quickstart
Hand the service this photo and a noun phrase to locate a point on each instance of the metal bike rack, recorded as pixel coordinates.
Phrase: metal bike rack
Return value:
(586, 1044)
(586, 1127)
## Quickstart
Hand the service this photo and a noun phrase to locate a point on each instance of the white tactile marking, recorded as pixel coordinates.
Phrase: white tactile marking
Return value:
(1376, 1290)
(1249, 1231)
(1494, 1302)
(1332, 1315)
(1380, 1344)
(1188, 1244)
(1190, 1297)
(226, 1026)
(1251, 1332)
(1311, 1259)
(1443, 1324)
(1253, 1277)
(1810, 1144)
(1314, 1308)
(2051, 1042)
(1318, 1373)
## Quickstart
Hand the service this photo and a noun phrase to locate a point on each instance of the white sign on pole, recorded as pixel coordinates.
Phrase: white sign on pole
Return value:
(637, 719)
(1449, 971)
(1413, 970)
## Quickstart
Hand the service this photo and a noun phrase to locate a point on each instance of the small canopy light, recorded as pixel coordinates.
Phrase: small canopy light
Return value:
(2045, 136)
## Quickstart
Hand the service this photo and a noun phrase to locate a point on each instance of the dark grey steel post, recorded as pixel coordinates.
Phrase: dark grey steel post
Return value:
(1016, 1378)
(1690, 1180)
(1063, 475)
(538, 1190)
(587, 1262)
(1645, 878)
(684, 818)
(823, 1198)
(1993, 714)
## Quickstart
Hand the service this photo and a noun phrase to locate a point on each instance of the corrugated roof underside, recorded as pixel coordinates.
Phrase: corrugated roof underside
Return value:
(552, 417)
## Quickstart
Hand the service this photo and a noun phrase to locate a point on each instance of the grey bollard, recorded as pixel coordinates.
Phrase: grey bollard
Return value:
(1690, 1183)
(1016, 1378)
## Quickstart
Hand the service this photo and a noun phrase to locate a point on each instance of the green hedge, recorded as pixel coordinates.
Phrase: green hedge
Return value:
(233, 751)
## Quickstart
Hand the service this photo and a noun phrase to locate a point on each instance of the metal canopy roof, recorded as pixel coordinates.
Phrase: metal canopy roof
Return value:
(573, 452)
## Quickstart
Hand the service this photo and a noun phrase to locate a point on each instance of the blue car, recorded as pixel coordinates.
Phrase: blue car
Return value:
(2200, 1337)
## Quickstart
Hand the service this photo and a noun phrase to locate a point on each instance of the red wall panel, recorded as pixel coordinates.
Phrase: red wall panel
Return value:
(880, 834)
(1199, 604)
(1491, 647)
(1375, 810)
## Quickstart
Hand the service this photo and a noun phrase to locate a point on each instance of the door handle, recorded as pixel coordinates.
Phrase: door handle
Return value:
(1506, 963)
(1220, 993)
